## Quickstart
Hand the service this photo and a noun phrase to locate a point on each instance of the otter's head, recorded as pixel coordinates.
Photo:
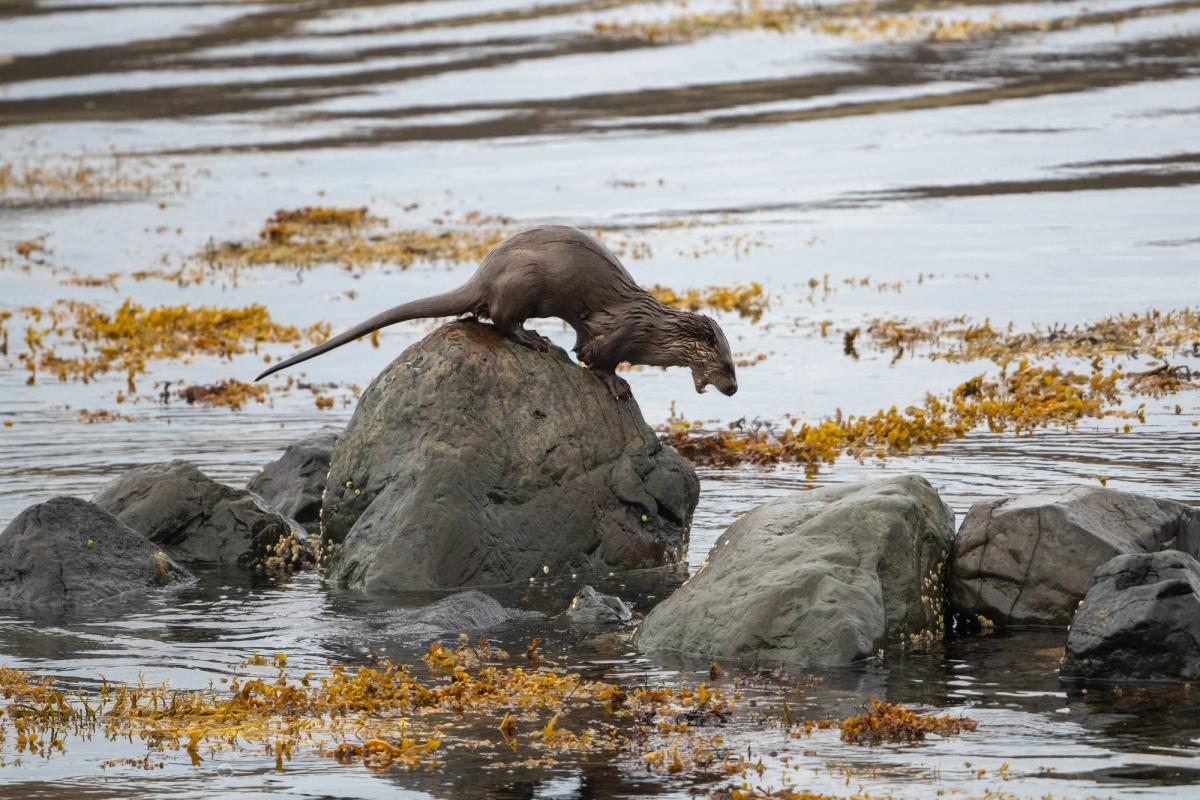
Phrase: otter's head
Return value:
(706, 351)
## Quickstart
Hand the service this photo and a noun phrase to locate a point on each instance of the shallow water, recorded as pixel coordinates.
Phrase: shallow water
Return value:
(1041, 177)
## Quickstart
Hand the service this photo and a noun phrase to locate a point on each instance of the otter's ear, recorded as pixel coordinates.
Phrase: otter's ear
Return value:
(710, 337)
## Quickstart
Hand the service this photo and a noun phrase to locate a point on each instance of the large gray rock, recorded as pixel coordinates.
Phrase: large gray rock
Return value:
(466, 612)
(821, 577)
(68, 553)
(471, 460)
(1029, 559)
(1139, 621)
(199, 521)
(294, 483)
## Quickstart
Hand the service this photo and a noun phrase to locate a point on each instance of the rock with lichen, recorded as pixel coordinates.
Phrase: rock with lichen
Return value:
(1140, 620)
(1029, 559)
(471, 460)
(67, 553)
(293, 483)
(197, 520)
(827, 576)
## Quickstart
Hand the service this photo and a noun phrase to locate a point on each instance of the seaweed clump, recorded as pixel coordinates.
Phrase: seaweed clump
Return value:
(1164, 380)
(884, 722)
(1154, 333)
(129, 337)
(230, 393)
(860, 21)
(380, 716)
(357, 240)
(749, 300)
(1027, 398)
(87, 177)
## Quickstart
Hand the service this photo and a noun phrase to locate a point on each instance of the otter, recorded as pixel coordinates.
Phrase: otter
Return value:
(559, 271)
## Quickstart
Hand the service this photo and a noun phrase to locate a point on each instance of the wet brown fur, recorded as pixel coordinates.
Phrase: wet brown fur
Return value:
(559, 271)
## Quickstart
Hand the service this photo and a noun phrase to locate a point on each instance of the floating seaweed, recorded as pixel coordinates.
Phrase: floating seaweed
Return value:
(356, 240)
(1164, 380)
(890, 722)
(748, 299)
(231, 393)
(132, 335)
(100, 415)
(1154, 333)
(88, 177)
(379, 716)
(860, 21)
(1028, 398)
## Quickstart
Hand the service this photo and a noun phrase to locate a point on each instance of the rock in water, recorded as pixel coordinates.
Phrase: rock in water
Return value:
(466, 612)
(69, 553)
(472, 460)
(822, 577)
(1140, 620)
(197, 520)
(294, 483)
(1029, 559)
(590, 606)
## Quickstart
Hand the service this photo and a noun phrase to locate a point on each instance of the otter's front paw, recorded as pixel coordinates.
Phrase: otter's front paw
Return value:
(617, 386)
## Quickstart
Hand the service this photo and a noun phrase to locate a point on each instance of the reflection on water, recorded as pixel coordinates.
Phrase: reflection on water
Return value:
(1035, 174)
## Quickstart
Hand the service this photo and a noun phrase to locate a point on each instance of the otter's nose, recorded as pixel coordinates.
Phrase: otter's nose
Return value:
(732, 390)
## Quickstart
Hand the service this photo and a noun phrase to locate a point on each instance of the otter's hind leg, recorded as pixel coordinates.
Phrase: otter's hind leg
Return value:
(511, 326)
(528, 338)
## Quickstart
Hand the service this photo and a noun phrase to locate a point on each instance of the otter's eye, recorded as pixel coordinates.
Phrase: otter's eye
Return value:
(710, 338)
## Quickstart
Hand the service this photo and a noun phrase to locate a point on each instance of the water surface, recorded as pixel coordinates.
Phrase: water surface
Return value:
(1036, 177)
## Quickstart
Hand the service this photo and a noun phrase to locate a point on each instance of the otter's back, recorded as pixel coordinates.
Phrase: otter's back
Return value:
(571, 273)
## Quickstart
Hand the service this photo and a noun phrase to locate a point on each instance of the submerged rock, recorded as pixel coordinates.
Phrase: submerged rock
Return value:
(466, 612)
(293, 484)
(472, 460)
(68, 553)
(590, 606)
(821, 577)
(197, 520)
(1029, 559)
(1140, 620)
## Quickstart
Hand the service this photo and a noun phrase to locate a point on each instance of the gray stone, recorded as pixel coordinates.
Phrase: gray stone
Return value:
(590, 606)
(1140, 620)
(472, 460)
(293, 484)
(1029, 559)
(827, 576)
(68, 553)
(199, 521)
(466, 612)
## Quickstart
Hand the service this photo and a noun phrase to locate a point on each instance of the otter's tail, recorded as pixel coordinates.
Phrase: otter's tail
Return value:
(457, 301)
